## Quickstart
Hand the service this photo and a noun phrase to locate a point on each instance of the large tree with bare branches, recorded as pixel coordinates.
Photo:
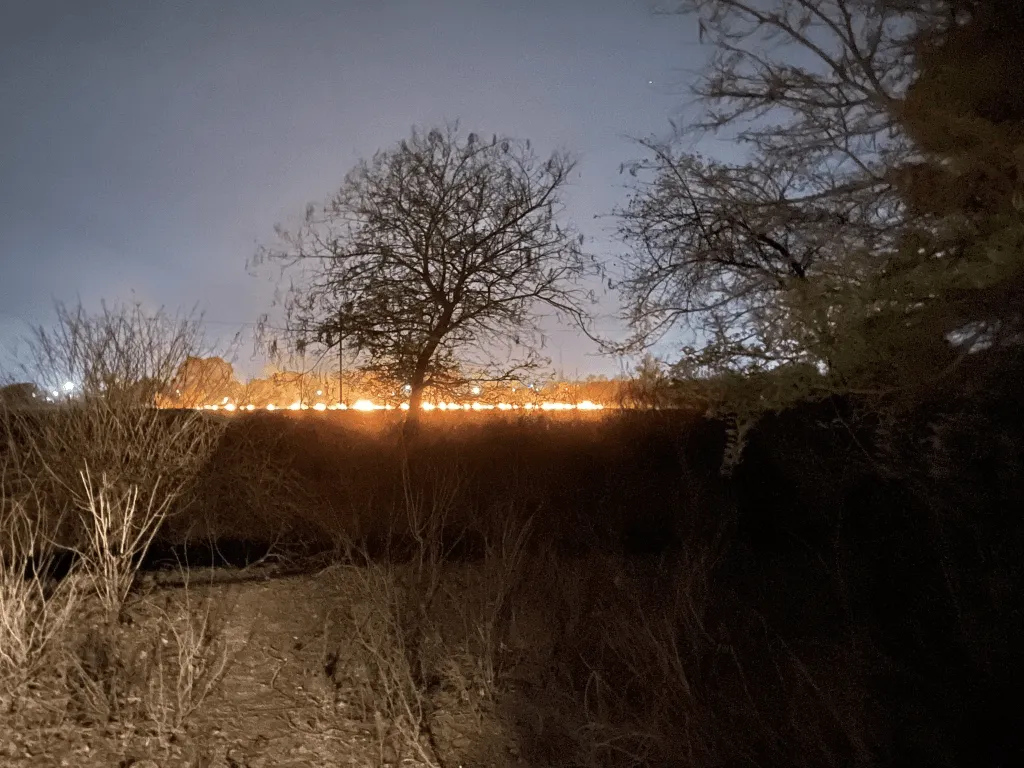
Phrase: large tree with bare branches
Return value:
(787, 254)
(433, 259)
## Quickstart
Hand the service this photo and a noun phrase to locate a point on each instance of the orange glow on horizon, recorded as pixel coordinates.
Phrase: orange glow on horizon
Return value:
(369, 405)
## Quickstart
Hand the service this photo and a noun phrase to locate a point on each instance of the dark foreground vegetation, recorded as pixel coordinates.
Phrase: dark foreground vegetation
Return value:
(849, 595)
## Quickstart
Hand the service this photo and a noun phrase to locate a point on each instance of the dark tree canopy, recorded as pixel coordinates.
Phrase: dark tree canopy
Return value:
(863, 226)
(806, 86)
(433, 259)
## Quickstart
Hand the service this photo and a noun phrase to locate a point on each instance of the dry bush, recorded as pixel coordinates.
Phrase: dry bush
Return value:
(429, 629)
(190, 661)
(74, 646)
(96, 475)
(118, 531)
(118, 360)
(34, 614)
(153, 679)
(158, 453)
(488, 605)
(393, 695)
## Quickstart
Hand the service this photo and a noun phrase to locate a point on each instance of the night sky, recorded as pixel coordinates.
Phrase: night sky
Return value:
(147, 146)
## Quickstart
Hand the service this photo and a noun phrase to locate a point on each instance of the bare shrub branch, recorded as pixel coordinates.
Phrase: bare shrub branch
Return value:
(34, 613)
(118, 531)
(121, 353)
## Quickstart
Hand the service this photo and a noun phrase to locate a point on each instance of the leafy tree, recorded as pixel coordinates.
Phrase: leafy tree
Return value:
(21, 394)
(433, 257)
(952, 284)
(649, 385)
(793, 255)
(204, 380)
(965, 113)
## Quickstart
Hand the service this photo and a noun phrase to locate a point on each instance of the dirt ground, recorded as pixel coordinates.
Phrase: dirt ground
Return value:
(294, 694)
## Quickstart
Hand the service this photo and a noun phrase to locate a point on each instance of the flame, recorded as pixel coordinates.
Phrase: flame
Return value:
(369, 405)
(366, 405)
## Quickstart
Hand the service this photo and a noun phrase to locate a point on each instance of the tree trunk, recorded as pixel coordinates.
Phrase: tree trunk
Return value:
(412, 416)
(419, 376)
(415, 401)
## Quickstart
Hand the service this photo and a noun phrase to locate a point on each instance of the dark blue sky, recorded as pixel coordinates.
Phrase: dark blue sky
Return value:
(147, 146)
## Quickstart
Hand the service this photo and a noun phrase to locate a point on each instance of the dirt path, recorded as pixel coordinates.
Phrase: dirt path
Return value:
(286, 699)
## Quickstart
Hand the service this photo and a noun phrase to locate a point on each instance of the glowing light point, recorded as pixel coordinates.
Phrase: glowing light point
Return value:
(319, 407)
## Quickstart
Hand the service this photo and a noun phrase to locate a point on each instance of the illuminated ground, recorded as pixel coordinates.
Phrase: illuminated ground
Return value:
(283, 702)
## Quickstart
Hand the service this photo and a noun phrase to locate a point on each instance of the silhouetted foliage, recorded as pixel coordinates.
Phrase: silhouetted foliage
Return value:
(21, 394)
(434, 257)
(871, 232)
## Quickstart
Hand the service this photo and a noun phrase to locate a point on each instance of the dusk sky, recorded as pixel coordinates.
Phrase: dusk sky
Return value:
(147, 147)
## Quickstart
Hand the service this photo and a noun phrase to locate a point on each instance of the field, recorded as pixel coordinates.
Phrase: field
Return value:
(584, 589)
